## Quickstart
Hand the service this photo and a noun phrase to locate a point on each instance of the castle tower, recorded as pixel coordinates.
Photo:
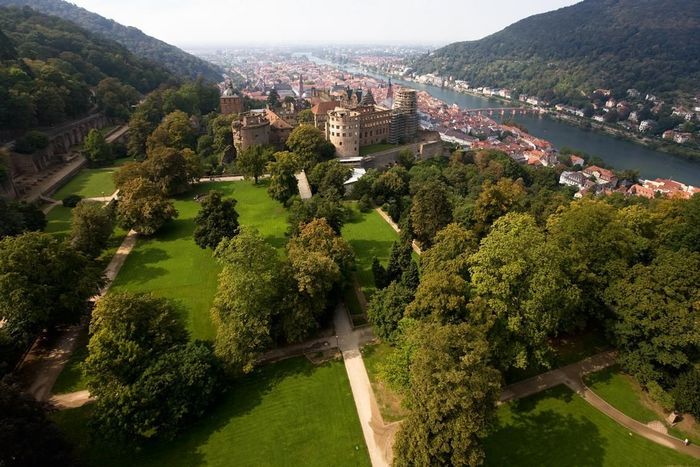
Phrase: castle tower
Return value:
(390, 95)
(404, 122)
(343, 131)
(230, 102)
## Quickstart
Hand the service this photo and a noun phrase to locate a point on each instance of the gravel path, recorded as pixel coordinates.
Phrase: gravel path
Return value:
(47, 358)
(572, 377)
(367, 408)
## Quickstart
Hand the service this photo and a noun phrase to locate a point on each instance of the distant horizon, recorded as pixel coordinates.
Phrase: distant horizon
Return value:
(217, 24)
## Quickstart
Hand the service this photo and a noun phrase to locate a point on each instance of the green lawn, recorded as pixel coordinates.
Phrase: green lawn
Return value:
(558, 428)
(372, 148)
(58, 221)
(171, 265)
(91, 183)
(71, 378)
(622, 392)
(286, 414)
(370, 236)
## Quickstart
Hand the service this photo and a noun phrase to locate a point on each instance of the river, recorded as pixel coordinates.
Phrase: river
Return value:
(618, 153)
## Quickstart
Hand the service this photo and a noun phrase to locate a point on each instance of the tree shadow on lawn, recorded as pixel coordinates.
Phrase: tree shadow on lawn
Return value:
(143, 271)
(176, 229)
(277, 242)
(372, 248)
(185, 449)
(603, 376)
(545, 438)
(243, 396)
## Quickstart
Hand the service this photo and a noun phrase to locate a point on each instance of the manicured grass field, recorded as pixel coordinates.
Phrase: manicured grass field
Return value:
(372, 148)
(557, 428)
(285, 414)
(58, 221)
(622, 392)
(91, 183)
(370, 236)
(171, 265)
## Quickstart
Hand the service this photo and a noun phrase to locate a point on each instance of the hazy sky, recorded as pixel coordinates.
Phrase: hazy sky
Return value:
(230, 22)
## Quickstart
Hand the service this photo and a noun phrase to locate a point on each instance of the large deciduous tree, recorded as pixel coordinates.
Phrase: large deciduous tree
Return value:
(453, 394)
(450, 252)
(309, 143)
(387, 307)
(147, 379)
(596, 246)
(217, 219)
(16, 218)
(319, 260)
(329, 175)
(115, 99)
(28, 438)
(656, 314)
(328, 206)
(283, 183)
(43, 282)
(247, 300)
(91, 226)
(496, 200)
(96, 149)
(253, 161)
(175, 131)
(168, 169)
(520, 277)
(143, 208)
(430, 212)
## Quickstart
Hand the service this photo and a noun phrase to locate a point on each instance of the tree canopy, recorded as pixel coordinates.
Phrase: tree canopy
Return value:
(217, 219)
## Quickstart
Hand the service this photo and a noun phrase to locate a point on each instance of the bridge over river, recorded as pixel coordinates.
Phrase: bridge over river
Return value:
(503, 111)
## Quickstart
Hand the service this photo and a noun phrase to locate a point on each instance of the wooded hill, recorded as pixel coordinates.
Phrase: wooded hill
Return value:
(563, 55)
(179, 62)
(49, 69)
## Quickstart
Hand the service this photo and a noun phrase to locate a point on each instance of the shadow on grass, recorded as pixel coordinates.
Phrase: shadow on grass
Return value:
(370, 248)
(186, 449)
(176, 229)
(276, 241)
(545, 438)
(603, 376)
(145, 259)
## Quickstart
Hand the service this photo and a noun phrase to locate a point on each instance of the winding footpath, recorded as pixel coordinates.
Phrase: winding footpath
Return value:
(572, 377)
(45, 360)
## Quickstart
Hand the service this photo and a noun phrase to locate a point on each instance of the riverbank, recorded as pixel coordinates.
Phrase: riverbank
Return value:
(686, 152)
(689, 153)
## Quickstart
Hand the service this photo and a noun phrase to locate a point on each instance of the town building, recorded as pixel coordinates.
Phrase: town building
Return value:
(577, 179)
(601, 175)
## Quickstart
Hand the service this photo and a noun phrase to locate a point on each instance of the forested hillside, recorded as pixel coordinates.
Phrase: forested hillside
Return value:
(50, 68)
(176, 60)
(650, 45)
